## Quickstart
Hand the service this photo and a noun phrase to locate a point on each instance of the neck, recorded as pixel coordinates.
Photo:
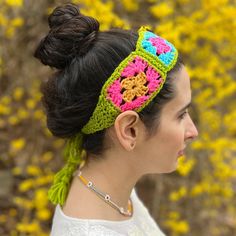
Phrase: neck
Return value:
(112, 175)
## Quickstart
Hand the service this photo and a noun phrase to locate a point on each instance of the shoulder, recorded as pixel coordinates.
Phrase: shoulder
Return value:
(71, 228)
(95, 230)
(64, 225)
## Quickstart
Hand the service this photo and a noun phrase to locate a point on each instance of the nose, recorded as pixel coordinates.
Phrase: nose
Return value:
(191, 130)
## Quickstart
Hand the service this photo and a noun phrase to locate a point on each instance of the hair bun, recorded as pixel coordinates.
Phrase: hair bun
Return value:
(71, 34)
(62, 14)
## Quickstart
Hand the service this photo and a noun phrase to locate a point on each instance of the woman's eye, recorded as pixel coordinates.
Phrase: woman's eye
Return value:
(183, 115)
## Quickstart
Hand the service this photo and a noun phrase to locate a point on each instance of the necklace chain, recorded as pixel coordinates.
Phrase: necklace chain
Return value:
(106, 197)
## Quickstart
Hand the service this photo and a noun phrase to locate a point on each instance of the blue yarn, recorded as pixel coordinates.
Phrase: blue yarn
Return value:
(166, 58)
(148, 35)
(149, 47)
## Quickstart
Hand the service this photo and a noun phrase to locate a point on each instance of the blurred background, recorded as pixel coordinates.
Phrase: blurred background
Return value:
(200, 197)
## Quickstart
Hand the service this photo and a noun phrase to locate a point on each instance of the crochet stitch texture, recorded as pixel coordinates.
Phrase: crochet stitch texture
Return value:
(135, 82)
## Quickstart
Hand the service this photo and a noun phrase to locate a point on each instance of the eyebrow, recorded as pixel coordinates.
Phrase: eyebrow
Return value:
(185, 107)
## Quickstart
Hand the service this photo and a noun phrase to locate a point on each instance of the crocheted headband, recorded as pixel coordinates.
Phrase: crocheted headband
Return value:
(132, 86)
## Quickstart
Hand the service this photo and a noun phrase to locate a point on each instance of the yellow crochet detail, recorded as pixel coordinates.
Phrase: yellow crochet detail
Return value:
(135, 86)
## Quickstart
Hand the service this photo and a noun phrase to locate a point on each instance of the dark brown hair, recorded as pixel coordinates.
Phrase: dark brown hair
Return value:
(85, 57)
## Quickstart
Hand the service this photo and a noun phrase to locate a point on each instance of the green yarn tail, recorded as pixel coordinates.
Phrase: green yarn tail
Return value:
(58, 192)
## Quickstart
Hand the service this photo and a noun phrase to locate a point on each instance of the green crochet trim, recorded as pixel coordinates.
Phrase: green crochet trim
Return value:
(58, 192)
(105, 112)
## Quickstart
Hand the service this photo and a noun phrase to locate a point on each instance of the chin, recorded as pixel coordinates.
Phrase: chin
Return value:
(170, 171)
(166, 171)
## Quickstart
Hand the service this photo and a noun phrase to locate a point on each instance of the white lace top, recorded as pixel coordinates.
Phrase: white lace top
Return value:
(140, 224)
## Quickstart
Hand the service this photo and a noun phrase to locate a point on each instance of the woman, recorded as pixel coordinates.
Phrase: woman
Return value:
(121, 99)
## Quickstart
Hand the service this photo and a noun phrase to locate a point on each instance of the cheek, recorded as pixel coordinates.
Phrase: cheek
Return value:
(166, 158)
(162, 149)
(170, 141)
(172, 135)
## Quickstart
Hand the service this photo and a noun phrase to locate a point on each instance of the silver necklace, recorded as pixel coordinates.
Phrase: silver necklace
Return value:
(107, 197)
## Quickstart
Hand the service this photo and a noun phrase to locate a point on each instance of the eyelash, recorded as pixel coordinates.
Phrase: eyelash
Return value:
(183, 115)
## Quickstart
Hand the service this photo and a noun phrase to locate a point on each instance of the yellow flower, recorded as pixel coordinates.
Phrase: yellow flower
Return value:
(28, 227)
(209, 4)
(16, 171)
(183, 1)
(33, 170)
(17, 22)
(14, 232)
(30, 103)
(38, 115)
(5, 100)
(3, 218)
(174, 215)
(12, 212)
(151, 1)
(40, 198)
(14, 3)
(22, 113)
(178, 226)
(58, 143)
(99, 9)
(47, 156)
(10, 32)
(134, 86)
(37, 96)
(182, 227)
(17, 144)
(197, 144)
(197, 190)
(228, 192)
(4, 110)
(26, 185)
(131, 5)
(177, 195)
(161, 10)
(185, 165)
(43, 214)
(28, 204)
(18, 93)
(174, 197)
(13, 120)
(3, 20)
(44, 180)
(49, 10)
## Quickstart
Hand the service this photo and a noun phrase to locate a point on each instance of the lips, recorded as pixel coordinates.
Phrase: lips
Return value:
(181, 153)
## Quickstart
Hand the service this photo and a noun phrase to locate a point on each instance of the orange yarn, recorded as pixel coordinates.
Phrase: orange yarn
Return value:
(135, 86)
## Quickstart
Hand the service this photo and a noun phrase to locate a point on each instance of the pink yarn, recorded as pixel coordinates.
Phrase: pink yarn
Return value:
(136, 66)
(134, 104)
(154, 79)
(114, 92)
(152, 74)
(160, 45)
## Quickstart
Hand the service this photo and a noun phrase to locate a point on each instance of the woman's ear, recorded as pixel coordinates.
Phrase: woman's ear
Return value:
(127, 129)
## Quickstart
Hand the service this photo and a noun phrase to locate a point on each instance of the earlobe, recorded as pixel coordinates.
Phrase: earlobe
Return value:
(127, 129)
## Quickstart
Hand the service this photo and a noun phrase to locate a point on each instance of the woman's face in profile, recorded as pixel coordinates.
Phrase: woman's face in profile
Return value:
(176, 127)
